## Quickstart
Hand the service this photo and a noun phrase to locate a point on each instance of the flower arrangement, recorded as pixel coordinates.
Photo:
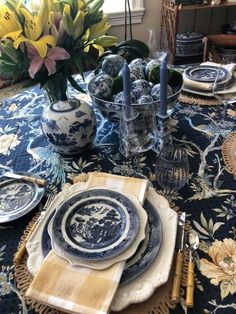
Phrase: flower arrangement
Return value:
(51, 38)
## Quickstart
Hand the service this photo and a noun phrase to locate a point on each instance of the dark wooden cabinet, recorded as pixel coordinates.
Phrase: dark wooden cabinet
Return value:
(170, 16)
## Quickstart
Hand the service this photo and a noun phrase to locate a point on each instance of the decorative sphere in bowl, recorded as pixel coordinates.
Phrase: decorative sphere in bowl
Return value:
(112, 110)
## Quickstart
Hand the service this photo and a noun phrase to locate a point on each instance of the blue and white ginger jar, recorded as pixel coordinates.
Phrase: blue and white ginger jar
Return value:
(69, 125)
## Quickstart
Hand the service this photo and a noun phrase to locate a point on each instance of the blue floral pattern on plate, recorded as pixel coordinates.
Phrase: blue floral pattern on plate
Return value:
(18, 197)
(206, 74)
(95, 224)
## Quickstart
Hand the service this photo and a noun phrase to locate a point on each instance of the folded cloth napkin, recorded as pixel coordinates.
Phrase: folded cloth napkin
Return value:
(75, 289)
(195, 85)
(135, 186)
(79, 289)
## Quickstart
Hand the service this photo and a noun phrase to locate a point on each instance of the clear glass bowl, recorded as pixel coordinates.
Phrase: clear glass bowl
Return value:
(112, 111)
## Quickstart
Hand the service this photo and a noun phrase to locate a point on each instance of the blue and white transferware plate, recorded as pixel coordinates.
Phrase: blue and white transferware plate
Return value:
(145, 253)
(95, 224)
(18, 197)
(148, 248)
(206, 74)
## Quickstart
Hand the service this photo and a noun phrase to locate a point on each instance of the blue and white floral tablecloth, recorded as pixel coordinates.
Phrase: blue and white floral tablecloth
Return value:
(209, 199)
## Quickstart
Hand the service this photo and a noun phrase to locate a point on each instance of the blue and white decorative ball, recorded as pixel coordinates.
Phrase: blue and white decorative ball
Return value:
(145, 99)
(156, 91)
(137, 72)
(120, 99)
(102, 86)
(141, 87)
(138, 62)
(112, 65)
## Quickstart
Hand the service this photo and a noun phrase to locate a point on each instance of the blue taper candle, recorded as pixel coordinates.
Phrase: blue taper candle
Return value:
(163, 92)
(126, 84)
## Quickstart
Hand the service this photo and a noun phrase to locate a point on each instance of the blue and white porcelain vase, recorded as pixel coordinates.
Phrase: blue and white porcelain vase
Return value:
(68, 124)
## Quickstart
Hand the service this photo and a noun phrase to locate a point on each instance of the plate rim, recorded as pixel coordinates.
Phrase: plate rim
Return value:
(134, 223)
(40, 190)
(159, 232)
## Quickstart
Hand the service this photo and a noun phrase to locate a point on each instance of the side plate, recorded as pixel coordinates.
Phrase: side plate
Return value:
(18, 197)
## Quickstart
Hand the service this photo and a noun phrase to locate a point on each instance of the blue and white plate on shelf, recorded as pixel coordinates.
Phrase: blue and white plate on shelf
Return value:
(206, 74)
(97, 225)
(18, 197)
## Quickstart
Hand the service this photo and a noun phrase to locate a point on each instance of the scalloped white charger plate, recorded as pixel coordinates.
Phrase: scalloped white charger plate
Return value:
(143, 286)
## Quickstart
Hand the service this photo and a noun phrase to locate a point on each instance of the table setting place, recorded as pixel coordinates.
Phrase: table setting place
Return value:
(201, 79)
(101, 245)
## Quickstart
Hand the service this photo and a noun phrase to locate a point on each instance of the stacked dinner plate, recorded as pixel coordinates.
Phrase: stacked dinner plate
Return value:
(98, 227)
(199, 80)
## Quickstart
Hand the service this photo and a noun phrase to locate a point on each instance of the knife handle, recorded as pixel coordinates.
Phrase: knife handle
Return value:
(34, 180)
(190, 285)
(177, 277)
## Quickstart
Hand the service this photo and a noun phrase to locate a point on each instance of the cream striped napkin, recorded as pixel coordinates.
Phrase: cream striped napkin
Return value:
(79, 289)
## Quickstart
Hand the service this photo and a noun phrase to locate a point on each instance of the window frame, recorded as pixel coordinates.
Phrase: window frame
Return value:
(117, 18)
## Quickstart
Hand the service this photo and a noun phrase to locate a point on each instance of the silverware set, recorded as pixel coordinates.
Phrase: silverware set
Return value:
(191, 242)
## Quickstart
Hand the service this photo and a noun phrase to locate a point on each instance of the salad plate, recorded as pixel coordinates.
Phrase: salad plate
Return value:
(103, 263)
(206, 74)
(18, 197)
(95, 224)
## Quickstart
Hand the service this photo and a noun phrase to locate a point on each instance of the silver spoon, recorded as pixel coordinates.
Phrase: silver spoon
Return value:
(192, 242)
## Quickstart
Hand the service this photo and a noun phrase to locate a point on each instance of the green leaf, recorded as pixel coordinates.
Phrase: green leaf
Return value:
(79, 65)
(74, 83)
(134, 43)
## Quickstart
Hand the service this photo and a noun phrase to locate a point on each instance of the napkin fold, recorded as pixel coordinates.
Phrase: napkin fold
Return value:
(78, 289)
(195, 85)
(75, 289)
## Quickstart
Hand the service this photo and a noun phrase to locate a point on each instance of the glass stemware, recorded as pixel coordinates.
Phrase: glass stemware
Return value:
(224, 91)
(172, 168)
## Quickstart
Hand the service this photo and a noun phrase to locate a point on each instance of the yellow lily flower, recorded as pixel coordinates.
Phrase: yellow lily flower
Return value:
(10, 27)
(99, 29)
(41, 45)
(33, 25)
(101, 42)
(45, 14)
(81, 5)
(78, 24)
(67, 20)
(33, 31)
(73, 27)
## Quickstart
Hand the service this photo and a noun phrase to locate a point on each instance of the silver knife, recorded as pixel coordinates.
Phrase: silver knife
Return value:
(25, 178)
(179, 258)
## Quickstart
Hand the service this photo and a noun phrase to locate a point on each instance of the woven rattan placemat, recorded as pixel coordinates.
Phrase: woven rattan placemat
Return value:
(229, 153)
(192, 99)
(158, 303)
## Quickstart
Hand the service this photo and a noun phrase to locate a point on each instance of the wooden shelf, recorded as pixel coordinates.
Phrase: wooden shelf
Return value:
(170, 13)
(205, 6)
